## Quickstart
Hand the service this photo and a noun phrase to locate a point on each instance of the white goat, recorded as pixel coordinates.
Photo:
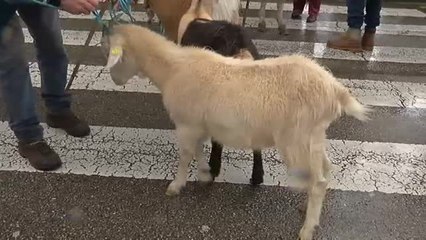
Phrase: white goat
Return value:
(287, 102)
(280, 19)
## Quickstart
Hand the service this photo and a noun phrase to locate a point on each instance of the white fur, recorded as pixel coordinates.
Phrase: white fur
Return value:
(287, 102)
(227, 10)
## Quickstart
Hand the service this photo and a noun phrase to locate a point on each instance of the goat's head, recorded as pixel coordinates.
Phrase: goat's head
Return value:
(121, 63)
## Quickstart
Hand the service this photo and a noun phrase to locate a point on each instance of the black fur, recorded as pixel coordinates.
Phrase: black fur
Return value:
(226, 39)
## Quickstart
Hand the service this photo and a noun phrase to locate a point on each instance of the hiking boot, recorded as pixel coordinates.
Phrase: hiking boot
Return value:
(348, 41)
(40, 155)
(368, 40)
(311, 19)
(69, 123)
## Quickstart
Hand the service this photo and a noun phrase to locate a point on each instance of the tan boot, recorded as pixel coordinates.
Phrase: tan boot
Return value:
(348, 41)
(368, 40)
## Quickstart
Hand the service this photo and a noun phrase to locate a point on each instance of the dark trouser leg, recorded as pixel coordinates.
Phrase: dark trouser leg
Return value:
(372, 16)
(298, 6)
(372, 20)
(16, 87)
(44, 26)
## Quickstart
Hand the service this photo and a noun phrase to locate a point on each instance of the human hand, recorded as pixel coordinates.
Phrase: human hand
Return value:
(80, 6)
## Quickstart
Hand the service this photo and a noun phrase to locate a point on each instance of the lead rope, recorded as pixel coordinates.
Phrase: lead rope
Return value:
(115, 6)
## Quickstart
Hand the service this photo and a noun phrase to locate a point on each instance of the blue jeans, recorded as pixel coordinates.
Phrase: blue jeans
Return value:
(356, 15)
(15, 81)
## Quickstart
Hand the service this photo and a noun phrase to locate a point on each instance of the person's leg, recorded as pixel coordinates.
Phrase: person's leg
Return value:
(351, 39)
(314, 8)
(298, 6)
(372, 20)
(44, 26)
(19, 97)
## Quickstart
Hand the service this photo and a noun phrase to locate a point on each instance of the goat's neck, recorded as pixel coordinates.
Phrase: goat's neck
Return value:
(158, 60)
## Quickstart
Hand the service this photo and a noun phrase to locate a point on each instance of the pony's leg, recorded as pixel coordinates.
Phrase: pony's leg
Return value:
(280, 19)
(262, 24)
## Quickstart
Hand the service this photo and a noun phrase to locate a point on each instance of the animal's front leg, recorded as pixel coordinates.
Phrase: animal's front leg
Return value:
(187, 143)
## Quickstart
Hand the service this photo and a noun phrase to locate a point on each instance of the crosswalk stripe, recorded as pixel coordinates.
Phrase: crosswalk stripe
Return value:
(276, 47)
(152, 154)
(377, 93)
(325, 8)
(335, 26)
(320, 50)
(330, 9)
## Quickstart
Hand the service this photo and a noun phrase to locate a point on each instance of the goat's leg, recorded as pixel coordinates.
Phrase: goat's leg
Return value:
(257, 173)
(215, 161)
(282, 29)
(188, 138)
(316, 192)
(262, 24)
(203, 169)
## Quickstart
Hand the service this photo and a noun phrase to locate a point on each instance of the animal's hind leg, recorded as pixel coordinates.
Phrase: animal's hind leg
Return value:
(317, 190)
(257, 173)
(262, 24)
(203, 169)
(188, 140)
(280, 19)
(215, 161)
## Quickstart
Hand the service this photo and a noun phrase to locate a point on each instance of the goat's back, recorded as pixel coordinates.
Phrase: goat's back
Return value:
(272, 92)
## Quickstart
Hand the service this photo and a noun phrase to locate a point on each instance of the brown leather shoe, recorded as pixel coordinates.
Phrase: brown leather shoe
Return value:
(69, 123)
(368, 41)
(40, 155)
(348, 41)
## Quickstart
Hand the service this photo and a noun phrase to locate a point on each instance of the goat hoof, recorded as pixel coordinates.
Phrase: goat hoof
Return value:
(256, 181)
(305, 234)
(261, 27)
(282, 30)
(173, 189)
(205, 176)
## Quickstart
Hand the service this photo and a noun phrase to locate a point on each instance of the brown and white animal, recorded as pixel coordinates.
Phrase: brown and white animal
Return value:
(169, 12)
(197, 28)
(287, 102)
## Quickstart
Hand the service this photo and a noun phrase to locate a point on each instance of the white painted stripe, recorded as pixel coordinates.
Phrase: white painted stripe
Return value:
(377, 93)
(70, 37)
(148, 153)
(395, 12)
(331, 9)
(334, 26)
(392, 29)
(320, 50)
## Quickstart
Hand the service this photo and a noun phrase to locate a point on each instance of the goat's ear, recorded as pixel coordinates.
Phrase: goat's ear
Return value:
(115, 55)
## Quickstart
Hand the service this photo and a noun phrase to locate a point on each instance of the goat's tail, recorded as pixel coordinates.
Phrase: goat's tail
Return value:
(351, 106)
